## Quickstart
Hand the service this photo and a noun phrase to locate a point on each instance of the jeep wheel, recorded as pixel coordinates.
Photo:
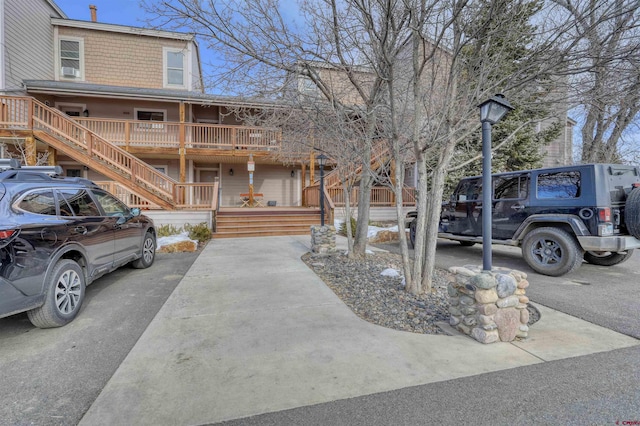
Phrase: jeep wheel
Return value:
(632, 212)
(147, 253)
(607, 258)
(64, 296)
(551, 251)
(467, 243)
(412, 233)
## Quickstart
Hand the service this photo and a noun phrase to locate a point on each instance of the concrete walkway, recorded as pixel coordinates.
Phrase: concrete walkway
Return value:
(251, 329)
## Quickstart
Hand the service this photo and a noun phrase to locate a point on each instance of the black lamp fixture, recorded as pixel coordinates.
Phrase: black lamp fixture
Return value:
(230, 172)
(322, 160)
(491, 111)
(85, 113)
(293, 173)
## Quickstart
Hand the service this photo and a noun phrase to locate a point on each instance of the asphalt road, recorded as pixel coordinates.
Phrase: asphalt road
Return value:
(607, 296)
(52, 376)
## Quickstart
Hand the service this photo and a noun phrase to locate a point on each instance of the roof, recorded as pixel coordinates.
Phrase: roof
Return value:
(126, 29)
(139, 93)
(56, 8)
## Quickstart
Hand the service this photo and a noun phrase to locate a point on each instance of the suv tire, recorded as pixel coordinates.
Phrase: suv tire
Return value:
(551, 251)
(632, 212)
(147, 254)
(64, 296)
(609, 259)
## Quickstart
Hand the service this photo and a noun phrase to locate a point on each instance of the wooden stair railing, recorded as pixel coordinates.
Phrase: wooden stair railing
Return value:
(63, 133)
(332, 179)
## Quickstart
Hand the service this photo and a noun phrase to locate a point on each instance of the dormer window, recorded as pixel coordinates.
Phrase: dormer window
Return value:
(70, 53)
(174, 68)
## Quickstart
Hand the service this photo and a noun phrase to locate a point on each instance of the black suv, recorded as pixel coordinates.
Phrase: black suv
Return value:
(57, 235)
(559, 216)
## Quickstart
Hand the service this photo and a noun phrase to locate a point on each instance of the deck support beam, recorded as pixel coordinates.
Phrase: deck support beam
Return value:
(31, 155)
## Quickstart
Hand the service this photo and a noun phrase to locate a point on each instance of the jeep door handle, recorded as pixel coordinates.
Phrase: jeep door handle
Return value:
(517, 207)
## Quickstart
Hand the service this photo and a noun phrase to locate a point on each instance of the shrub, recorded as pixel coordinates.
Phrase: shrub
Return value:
(200, 232)
(343, 228)
(167, 230)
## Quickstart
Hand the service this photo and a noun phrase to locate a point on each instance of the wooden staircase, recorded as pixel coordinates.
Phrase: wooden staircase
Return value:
(263, 222)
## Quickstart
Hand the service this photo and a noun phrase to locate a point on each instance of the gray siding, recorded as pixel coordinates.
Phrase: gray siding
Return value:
(29, 42)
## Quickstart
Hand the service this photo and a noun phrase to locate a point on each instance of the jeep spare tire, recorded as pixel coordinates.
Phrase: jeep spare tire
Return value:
(632, 212)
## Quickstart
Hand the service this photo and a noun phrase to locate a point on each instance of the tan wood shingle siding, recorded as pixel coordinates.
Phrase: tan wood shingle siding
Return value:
(28, 41)
(118, 59)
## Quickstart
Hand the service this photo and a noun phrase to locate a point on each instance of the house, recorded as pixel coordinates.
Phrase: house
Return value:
(125, 107)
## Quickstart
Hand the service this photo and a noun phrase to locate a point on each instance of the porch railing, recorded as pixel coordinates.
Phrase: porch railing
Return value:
(199, 196)
(165, 134)
(381, 196)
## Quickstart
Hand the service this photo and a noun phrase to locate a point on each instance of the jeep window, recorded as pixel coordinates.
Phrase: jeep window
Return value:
(39, 202)
(468, 190)
(80, 201)
(559, 185)
(511, 187)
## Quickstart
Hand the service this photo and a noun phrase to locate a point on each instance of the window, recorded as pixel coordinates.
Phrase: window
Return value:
(510, 187)
(70, 54)
(150, 115)
(80, 202)
(111, 205)
(39, 202)
(174, 68)
(74, 173)
(559, 185)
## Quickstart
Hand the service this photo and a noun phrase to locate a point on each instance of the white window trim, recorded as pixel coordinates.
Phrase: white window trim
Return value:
(58, 67)
(185, 69)
(163, 111)
(82, 107)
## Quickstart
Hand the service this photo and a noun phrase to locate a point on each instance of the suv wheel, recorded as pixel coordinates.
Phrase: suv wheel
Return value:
(551, 251)
(632, 212)
(64, 296)
(607, 258)
(148, 253)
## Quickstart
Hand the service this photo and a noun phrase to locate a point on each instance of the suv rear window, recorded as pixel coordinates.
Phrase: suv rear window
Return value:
(559, 185)
(39, 202)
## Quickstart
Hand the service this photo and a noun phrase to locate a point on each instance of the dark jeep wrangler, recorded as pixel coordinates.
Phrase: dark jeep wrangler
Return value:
(559, 216)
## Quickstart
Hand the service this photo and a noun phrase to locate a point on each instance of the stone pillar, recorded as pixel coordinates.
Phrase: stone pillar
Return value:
(323, 239)
(489, 306)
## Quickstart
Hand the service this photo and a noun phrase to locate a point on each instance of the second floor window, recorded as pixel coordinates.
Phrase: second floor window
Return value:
(70, 58)
(174, 68)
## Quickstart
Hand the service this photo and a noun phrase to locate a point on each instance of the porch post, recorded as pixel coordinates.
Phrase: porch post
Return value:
(182, 150)
(51, 159)
(30, 150)
(303, 178)
(312, 162)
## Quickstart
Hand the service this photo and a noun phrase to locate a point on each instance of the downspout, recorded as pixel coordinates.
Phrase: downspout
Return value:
(3, 83)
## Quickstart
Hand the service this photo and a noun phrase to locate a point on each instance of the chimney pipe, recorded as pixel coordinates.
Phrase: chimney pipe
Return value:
(94, 14)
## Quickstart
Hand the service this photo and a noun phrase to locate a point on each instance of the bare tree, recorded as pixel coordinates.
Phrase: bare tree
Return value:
(607, 83)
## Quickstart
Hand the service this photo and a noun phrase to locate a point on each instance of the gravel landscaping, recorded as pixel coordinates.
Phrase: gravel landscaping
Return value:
(381, 299)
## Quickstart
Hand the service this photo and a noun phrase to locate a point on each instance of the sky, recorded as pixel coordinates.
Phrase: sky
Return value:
(123, 12)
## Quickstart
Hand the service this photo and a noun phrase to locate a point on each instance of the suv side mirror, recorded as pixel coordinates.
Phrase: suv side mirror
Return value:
(135, 212)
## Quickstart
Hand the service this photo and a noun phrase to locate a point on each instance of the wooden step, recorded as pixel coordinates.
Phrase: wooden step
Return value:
(262, 223)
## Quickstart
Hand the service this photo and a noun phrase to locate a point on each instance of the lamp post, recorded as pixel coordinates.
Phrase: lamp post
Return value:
(491, 111)
(322, 160)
